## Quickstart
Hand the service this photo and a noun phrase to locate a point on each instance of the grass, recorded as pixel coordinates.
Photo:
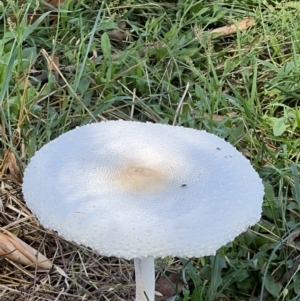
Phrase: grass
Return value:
(159, 62)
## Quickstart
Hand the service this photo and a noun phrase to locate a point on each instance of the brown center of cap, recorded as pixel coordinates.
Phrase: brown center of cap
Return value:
(141, 179)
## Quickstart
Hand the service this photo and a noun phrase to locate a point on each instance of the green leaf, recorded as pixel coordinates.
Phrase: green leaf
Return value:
(83, 85)
(106, 46)
(269, 192)
(270, 207)
(28, 56)
(29, 53)
(218, 263)
(273, 287)
(279, 127)
(294, 171)
(188, 51)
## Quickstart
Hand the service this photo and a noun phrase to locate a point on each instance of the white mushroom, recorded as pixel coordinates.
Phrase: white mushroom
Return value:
(143, 190)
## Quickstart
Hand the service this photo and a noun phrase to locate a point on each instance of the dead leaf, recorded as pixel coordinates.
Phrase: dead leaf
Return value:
(223, 299)
(293, 237)
(168, 287)
(55, 3)
(231, 29)
(222, 117)
(46, 5)
(13, 167)
(16, 250)
(53, 64)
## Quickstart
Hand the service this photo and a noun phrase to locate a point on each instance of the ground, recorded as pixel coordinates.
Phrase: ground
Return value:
(228, 67)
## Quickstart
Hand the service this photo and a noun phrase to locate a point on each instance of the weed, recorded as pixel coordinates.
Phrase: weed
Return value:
(88, 61)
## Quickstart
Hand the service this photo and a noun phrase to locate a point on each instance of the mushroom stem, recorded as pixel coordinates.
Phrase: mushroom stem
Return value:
(144, 278)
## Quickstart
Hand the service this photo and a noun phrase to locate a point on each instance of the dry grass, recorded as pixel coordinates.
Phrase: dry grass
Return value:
(240, 86)
(78, 273)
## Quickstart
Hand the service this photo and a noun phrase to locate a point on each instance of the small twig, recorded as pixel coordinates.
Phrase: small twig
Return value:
(180, 102)
(231, 29)
(288, 274)
(61, 252)
(132, 106)
(37, 259)
(60, 293)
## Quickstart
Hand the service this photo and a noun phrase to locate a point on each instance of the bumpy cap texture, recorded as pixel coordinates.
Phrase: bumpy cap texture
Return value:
(132, 189)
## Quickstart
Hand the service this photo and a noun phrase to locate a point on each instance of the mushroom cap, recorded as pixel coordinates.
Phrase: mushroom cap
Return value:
(132, 189)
